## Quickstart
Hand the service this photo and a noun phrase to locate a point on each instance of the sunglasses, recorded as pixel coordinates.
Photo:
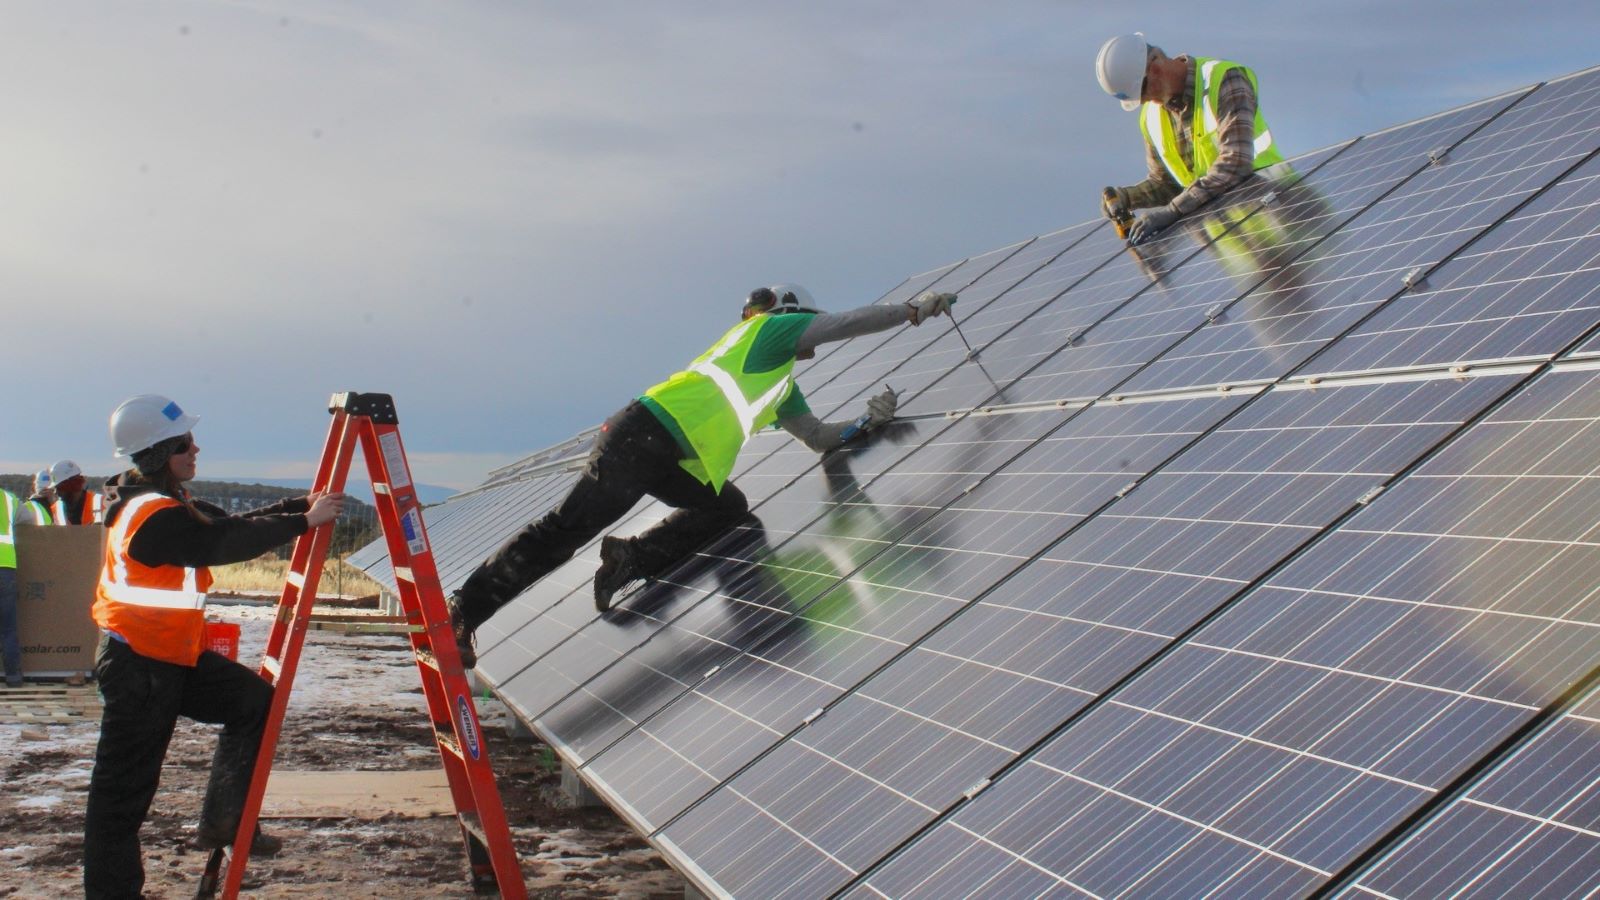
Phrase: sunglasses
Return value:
(182, 445)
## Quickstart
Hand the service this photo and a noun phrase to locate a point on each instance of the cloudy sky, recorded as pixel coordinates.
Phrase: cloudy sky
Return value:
(515, 216)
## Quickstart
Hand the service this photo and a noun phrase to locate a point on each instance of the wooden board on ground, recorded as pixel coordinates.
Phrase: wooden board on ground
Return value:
(49, 704)
(357, 795)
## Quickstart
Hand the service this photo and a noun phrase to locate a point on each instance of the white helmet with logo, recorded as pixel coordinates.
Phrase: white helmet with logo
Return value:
(42, 482)
(62, 471)
(141, 422)
(1120, 68)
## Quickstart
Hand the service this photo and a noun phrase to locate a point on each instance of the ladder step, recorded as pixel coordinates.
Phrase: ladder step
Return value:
(425, 657)
(273, 666)
(446, 735)
(403, 573)
(298, 579)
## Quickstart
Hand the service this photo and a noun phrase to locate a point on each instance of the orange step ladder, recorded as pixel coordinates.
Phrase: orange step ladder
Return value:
(370, 420)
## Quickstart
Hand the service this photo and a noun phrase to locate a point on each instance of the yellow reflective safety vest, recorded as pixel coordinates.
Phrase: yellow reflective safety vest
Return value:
(9, 504)
(41, 513)
(1156, 124)
(718, 405)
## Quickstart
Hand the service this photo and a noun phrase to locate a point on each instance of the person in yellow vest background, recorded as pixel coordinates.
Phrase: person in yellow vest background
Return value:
(677, 442)
(36, 509)
(150, 607)
(75, 505)
(1202, 126)
(10, 647)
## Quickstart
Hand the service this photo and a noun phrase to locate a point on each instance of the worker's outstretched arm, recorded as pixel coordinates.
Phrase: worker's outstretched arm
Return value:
(828, 327)
(1157, 189)
(823, 436)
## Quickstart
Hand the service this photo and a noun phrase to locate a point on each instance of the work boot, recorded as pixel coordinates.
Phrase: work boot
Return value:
(263, 844)
(466, 641)
(619, 564)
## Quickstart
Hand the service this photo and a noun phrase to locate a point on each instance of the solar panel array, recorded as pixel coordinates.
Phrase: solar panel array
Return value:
(1259, 561)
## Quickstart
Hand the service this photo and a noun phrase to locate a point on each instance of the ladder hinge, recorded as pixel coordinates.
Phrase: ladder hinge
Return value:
(976, 789)
(1370, 495)
(1416, 278)
(1215, 312)
(812, 717)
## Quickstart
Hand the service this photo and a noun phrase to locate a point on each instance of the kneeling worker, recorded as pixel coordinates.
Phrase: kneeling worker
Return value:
(152, 665)
(677, 442)
(1202, 126)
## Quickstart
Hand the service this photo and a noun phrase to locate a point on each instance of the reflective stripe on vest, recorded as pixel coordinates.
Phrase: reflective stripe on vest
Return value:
(8, 540)
(1204, 130)
(159, 610)
(92, 511)
(718, 405)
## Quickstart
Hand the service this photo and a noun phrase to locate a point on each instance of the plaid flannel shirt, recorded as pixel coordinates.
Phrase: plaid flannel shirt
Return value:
(1236, 112)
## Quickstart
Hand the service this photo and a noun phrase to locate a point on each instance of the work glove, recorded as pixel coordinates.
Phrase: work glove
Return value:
(880, 408)
(1151, 224)
(929, 305)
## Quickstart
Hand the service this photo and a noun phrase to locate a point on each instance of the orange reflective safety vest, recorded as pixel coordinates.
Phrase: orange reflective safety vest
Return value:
(159, 610)
(93, 510)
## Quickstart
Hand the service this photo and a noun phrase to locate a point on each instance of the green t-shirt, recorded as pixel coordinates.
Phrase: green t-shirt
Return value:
(774, 346)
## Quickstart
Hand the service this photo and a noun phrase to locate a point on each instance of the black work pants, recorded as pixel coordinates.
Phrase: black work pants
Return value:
(143, 700)
(634, 455)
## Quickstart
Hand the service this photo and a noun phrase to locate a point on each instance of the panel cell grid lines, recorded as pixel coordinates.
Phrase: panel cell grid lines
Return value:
(1262, 560)
(1529, 829)
(1107, 598)
(1301, 726)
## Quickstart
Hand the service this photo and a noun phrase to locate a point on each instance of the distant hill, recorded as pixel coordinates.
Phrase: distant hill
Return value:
(356, 527)
(358, 487)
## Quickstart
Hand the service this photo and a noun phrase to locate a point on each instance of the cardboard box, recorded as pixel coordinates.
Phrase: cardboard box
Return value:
(57, 569)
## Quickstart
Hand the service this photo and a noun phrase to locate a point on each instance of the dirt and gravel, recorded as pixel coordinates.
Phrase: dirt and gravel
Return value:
(357, 705)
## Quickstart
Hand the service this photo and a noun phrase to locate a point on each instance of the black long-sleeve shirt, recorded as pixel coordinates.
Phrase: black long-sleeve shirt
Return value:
(173, 537)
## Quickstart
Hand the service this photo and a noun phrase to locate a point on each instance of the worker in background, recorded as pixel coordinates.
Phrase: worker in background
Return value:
(74, 504)
(10, 648)
(36, 509)
(150, 606)
(677, 442)
(1202, 126)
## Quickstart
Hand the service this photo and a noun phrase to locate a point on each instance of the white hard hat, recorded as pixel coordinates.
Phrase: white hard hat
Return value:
(792, 298)
(64, 470)
(42, 481)
(141, 422)
(1120, 68)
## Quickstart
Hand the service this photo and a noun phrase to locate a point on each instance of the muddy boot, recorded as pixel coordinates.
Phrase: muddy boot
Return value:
(263, 844)
(619, 564)
(466, 640)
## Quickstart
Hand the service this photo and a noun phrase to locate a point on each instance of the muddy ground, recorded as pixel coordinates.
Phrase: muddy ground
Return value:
(357, 705)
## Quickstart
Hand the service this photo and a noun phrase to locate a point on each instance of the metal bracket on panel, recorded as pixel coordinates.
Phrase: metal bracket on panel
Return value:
(1436, 155)
(710, 672)
(977, 789)
(1270, 198)
(1123, 491)
(812, 717)
(970, 488)
(1215, 312)
(1370, 495)
(1416, 278)
(1460, 369)
(1075, 335)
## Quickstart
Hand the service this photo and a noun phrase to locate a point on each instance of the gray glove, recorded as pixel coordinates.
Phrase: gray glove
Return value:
(929, 305)
(1151, 224)
(881, 407)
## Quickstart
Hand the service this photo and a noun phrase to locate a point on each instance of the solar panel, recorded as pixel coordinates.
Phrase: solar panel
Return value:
(1259, 561)
(1428, 219)
(1527, 829)
(1298, 727)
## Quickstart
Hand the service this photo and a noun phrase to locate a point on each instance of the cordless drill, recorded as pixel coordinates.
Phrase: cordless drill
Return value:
(1117, 212)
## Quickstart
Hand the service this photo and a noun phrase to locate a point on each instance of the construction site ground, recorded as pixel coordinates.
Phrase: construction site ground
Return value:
(357, 705)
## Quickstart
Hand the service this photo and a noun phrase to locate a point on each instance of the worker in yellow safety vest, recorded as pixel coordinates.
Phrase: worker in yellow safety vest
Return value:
(10, 647)
(677, 442)
(74, 504)
(151, 663)
(36, 509)
(1202, 126)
